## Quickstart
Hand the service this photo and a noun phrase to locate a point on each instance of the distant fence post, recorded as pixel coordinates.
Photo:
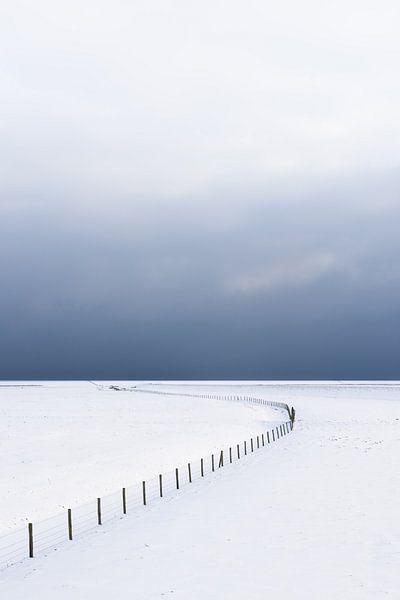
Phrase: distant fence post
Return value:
(99, 511)
(69, 513)
(177, 478)
(160, 485)
(202, 467)
(238, 450)
(221, 459)
(212, 462)
(30, 538)
(230, 454)
(251, 444)
(262, 439)
(190, 473)
(245, 448)
(124, 501)
(144, 492)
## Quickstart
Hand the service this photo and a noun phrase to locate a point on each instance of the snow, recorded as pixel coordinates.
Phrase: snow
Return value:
(311, 516)
(68, 443)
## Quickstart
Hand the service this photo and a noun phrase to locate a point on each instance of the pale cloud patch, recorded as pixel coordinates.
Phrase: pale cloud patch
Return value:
(293, 273)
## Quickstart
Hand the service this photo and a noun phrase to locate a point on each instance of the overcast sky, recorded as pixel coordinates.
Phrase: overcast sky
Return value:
(199, 189)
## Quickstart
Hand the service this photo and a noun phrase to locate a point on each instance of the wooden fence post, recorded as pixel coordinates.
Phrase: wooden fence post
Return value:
(144, 492)
(69, 513)
(190, 473)
(262, 439)
(221, 460)
(251, 444)
(258, 441)
(273, 435)
(30, 537)
(238, 451)
(177, 478)
(124, 501)
(245, 448)
(212, 462)
(99, 511)
(160, 485)
(202, 467)
(230, 455)
(268, 440)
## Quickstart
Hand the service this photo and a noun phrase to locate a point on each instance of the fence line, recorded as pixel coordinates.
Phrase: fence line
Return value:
(47, 535)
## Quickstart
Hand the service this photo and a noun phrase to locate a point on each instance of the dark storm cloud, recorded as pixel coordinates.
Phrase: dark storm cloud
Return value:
(282, 288)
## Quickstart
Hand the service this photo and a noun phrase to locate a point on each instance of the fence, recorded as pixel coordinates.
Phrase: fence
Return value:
(47, 535)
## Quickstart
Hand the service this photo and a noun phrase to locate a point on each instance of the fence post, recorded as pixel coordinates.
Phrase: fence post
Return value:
(221, 459)
(144, 492)
(124, 501)
(190, 473)
(258, 441)
(277, 433)
(177, 478)
(251, 444)
(273, 435)
(202, 467)
(238, 451)
(262, 439)
(160, 484)
(212, 462)
(99, 511)
(268, 440)
(230, 455)
(69, 513)
(30, 537)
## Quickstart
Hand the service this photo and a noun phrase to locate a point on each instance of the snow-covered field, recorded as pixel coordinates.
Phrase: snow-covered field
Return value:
(313, 516)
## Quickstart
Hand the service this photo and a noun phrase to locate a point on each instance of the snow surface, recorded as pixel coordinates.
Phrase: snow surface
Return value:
(313, 516)
(66, 443)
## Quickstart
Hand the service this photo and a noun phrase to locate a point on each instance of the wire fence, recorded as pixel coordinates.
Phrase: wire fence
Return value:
(47, 535)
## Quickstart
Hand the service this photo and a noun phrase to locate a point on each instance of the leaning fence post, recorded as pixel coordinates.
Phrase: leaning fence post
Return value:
(221, 459)
(262, 439)
(268, 440)
(277, 433)
(124, 501)
(190, 473)
(273, 435)
(177, 478)
(30, 537)
(144, 492)
(99, 511)
(69, 513)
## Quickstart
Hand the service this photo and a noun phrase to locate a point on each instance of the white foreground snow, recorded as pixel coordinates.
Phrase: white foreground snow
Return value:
(312, 516)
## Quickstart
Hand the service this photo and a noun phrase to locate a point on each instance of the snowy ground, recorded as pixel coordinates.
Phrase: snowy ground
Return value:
(66, 443)
(313, 516)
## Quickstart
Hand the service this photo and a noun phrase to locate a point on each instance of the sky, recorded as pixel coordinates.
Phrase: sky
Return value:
(199, 190)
